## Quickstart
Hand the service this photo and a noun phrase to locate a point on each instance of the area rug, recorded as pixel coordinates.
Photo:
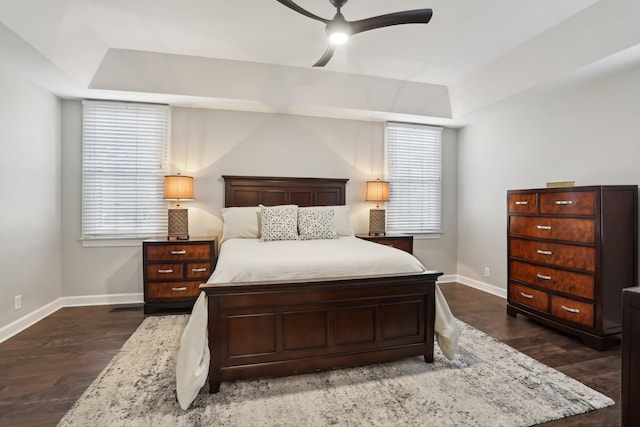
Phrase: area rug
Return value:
(487, 384)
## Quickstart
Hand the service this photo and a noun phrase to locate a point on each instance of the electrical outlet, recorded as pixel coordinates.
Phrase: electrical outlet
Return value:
(17, 302)
(487, 272)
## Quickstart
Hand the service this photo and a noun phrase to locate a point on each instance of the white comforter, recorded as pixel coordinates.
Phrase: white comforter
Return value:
(250, 260)
(343, 257)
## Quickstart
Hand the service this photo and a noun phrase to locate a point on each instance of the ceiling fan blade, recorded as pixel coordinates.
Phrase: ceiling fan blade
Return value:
(418, 16)
(326, 56)
(291, 5)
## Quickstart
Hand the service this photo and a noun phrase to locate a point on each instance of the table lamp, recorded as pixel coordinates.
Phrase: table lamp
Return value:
(178, 187)
(377, 191)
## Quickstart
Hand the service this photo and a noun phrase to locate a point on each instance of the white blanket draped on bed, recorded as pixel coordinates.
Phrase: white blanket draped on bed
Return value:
(310, 259)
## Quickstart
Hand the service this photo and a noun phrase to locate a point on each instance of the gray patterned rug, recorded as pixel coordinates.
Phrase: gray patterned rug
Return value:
(487, 384)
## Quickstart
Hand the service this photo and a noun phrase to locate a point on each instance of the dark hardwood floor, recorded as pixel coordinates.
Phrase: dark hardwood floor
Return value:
(46, 368)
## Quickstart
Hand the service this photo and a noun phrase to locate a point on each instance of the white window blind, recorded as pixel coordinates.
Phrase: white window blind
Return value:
(124, 160)
(414, 168)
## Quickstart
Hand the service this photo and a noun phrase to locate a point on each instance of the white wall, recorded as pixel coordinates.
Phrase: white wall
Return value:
(209, 143)
(30, 192)
(588, 132)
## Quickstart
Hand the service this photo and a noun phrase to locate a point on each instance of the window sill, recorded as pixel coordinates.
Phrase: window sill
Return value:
(112, 243)
(427, 236)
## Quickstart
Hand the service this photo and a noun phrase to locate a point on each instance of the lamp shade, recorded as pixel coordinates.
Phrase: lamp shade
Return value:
(377, 191)
(178, 187)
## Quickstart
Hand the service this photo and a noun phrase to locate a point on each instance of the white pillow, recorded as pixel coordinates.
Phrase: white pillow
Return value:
(341, 219)
(279, 222)
(316, 223)
(240, 222)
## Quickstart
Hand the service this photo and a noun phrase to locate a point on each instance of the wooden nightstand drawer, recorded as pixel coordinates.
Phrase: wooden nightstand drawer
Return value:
(399, 241)
(165, 271)
(178, 252)
(173, 290)
(201, 270)
(403, 244)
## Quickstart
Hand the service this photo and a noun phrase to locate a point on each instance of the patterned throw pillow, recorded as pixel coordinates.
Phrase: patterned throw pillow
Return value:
(316, 223)
(279, 222)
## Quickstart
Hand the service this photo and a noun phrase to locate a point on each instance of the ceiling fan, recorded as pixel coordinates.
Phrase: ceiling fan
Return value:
(339, 29)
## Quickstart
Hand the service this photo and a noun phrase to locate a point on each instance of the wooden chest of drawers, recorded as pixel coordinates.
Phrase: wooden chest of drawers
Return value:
(173, 271)
(571, 251)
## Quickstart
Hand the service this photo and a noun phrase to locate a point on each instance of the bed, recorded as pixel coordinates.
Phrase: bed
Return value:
(281, 327)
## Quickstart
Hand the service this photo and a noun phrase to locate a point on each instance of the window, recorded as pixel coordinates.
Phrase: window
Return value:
(124, 160)
(414, 172)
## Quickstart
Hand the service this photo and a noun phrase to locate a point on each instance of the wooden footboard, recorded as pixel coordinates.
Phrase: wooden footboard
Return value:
(273, 329)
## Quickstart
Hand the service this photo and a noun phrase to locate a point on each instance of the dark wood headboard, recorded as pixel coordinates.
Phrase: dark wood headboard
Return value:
(271, 191)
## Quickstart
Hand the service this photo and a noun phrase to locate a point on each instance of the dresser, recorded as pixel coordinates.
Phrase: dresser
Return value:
(571, 251)
(396, 240)
(173, 271)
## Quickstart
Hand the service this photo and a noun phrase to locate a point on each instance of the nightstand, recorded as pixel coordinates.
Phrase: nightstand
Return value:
(396, 240)
(173, 271)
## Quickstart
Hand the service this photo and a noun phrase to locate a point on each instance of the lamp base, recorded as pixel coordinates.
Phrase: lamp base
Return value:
(377, 222)
(178, 224)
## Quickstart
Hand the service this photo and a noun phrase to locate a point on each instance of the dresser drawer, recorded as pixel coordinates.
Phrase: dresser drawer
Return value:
(201, 270)
(522, 203)
(578, 257)
(178, 252)
(530, 297)
(569, 229)
(165, 271)
(573, 311)
(172, 290)
(578, 284)
(568, 203)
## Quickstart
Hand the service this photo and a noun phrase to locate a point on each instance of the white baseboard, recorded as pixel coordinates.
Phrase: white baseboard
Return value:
(448, 278)
(110, 299)
(35, 316)
(30, 319)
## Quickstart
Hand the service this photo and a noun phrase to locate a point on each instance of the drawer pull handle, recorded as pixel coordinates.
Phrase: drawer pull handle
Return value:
(564, 202)
(543, 252)
(181, 252)
(543, 227)
(199, 270)
(543, 277)
(570, 310)
(522, 202)
(184, 288)
(170, 270)
(527, 296)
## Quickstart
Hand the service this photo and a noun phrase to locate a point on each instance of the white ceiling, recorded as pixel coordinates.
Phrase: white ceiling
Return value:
(257, 54)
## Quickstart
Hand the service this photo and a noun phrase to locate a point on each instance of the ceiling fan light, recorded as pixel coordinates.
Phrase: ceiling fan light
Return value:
(338, 37)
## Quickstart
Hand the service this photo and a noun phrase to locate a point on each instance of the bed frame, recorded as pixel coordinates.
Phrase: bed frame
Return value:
(264, 329)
